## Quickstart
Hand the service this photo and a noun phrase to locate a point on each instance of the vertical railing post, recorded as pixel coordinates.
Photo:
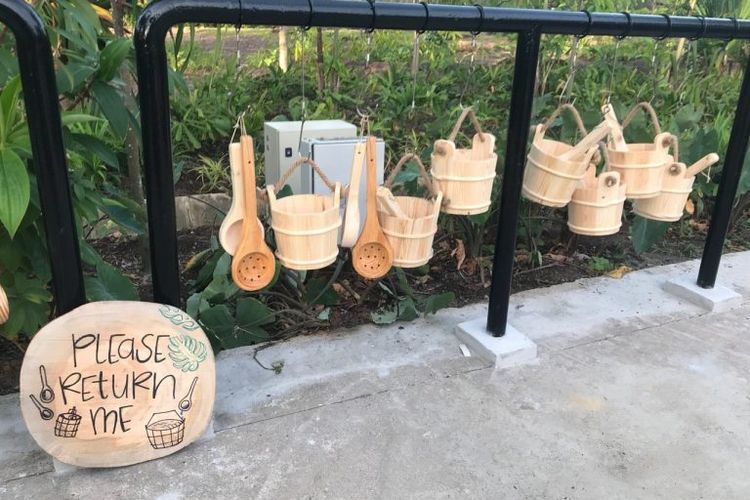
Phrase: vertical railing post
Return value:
(45, 131)
(728, 184)
(153, 90)
(519, 121)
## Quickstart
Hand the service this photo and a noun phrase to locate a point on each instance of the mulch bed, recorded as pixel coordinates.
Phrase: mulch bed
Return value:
(470, 283)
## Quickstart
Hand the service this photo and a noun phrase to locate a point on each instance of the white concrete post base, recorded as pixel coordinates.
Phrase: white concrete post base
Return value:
(512, 349)
(716, 299)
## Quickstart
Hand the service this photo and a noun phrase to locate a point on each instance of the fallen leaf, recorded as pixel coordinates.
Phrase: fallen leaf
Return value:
(556, 257)
(690, 206)
(619, 272)
(460, 253)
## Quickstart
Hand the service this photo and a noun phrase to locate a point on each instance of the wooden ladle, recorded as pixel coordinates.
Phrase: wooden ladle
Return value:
(230, 232)
(372, 255)
(350, 231)
(253, 264)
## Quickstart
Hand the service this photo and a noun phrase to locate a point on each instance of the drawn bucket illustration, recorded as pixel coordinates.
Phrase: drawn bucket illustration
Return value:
(67, 424)
(165, 429)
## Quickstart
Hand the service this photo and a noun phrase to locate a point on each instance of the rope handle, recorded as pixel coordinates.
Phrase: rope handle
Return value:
(294, 166)
(646, 107)
(426, 180)
(609, 180)
(670, 140)
(573, 111)
(457, 127)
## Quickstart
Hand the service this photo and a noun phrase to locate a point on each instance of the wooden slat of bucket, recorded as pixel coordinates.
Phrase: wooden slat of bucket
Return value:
(306, 230)
(596, 208)
(411, 238)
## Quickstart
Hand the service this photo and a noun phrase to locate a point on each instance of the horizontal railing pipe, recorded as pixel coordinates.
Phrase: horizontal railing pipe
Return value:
(530, 24)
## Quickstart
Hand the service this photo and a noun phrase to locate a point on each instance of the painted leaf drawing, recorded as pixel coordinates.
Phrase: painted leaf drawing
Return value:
(186, 353)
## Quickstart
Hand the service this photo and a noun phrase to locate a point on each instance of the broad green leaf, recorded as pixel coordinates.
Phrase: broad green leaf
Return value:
(113, 107)
(74, 118)
(252, 312)
(645, 233)
(109, 284)
(93, 145)
(14, 190)
(407, 309)
(123, 216)
(112, 57)
(71, 77)
(436, 302)
(316, 292)
(384, 316)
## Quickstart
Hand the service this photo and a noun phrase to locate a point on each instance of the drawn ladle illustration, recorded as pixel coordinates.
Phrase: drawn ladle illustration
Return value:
(47, 395)
(44, 412)
(187, 402)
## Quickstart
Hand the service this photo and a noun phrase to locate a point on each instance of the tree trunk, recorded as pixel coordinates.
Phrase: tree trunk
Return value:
(283, 49)
(133, 183)
(319, 61)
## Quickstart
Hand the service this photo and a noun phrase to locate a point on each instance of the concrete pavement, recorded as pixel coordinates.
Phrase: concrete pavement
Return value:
(636, 394)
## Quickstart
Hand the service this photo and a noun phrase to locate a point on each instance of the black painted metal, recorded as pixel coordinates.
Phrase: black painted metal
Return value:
(45, 131)
(728, 183)
(519, 121)
(160, 15)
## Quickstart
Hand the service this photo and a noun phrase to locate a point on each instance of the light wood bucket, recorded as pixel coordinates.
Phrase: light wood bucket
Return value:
(412, 234)
(549, 179)
(597, 205)
(669, 205)
(641, 166)
(465, 176)
(306, 226)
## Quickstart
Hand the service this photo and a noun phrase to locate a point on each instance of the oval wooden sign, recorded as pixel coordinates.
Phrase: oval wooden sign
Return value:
(118, 383)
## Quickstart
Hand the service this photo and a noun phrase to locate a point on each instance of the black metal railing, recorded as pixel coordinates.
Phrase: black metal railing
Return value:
(529, 24)
(44, 118)
(45, 130)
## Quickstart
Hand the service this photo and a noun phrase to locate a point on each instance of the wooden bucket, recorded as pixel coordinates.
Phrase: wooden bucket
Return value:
(305, 226)
(465, 176)
(597, 204)
(411, 234)
(677, 185)
(549, 179)
(641, 166)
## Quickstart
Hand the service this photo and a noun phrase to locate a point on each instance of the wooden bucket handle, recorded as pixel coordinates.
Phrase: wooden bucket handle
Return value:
(701, 164)
(669, 140)
(457, 127)
(294, 166)
(271, 193)
(646, 107)
(563, 107)
(422, 173)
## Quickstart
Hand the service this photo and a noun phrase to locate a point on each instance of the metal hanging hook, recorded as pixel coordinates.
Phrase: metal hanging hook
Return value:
(365, 116)
(470, 74)
(304, 97)
(415, 69)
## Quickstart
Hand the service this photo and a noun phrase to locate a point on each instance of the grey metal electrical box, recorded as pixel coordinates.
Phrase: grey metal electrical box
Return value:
(282, 140)
(334, 156)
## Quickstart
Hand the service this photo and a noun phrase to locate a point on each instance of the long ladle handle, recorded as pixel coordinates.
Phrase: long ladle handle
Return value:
(248, 170)
(372, 158)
